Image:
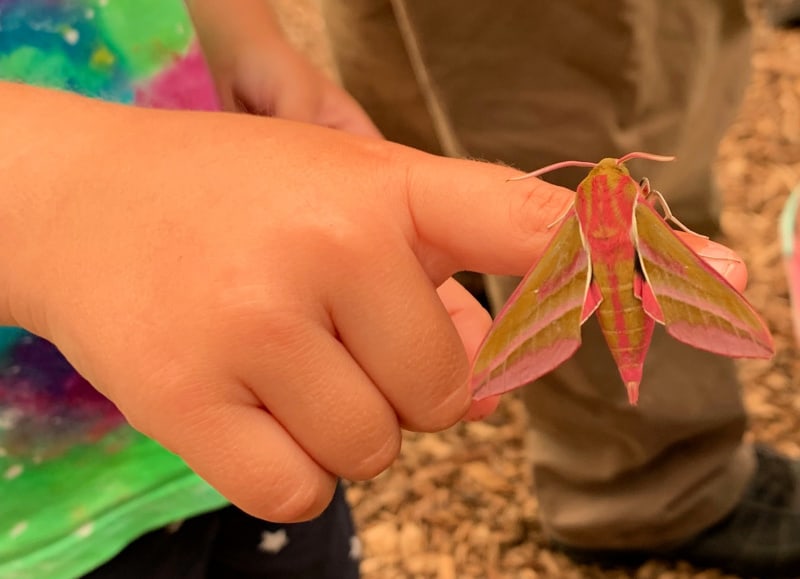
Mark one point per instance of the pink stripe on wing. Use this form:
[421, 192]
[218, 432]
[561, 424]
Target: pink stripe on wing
[523, 371]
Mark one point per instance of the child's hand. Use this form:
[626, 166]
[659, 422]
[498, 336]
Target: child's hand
[280, 82]
[257, 295]
[726, 262]
[258, 71]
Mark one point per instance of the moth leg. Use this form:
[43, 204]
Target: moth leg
[644, 187]
[656, 196]
[561, 217]
[643, 292]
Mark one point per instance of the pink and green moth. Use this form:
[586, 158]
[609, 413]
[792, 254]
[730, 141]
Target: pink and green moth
[615, 256]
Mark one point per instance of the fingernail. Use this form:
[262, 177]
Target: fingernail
[715, 251]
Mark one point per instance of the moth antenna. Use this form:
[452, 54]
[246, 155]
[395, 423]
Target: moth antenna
[641, 155]
[553, 167]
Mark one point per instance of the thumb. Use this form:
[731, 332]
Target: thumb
[723, 259]
[467, 215]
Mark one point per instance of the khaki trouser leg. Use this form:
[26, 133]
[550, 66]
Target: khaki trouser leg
[530, 82]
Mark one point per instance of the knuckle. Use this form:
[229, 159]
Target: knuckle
[447, 390]
[339, 235]
[280, 330]
[450, 404]
[377, 460]
[446, 413]
[303, 502]
[286, 328]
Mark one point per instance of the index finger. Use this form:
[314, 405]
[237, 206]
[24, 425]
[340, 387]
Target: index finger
[467, 215]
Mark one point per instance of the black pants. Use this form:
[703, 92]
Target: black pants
[229, 543]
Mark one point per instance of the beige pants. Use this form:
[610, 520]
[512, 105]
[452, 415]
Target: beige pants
[530, 82]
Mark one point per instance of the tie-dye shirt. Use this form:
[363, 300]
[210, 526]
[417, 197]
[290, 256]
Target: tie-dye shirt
[76, 482]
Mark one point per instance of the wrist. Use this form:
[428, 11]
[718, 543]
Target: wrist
[52, 143]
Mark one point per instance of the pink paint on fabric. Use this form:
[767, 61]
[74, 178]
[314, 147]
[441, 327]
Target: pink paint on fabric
[187, 84]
